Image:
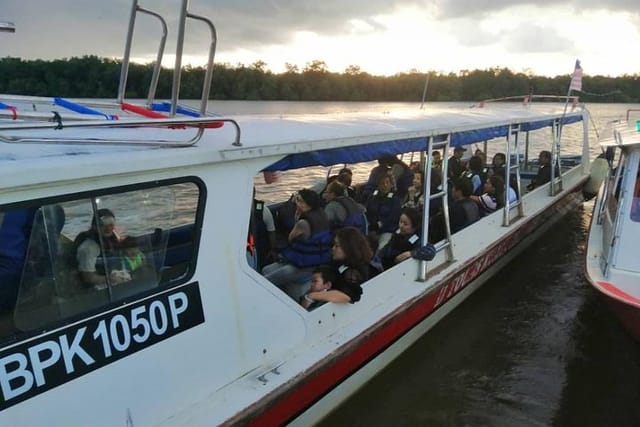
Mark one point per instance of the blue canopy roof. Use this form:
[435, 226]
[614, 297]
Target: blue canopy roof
[373, 151]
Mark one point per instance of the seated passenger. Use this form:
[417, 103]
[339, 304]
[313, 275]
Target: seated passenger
[309, 245]
[463, 211]
[372, 182]
[456, 166]
[544, 171]
[383, 210]
[342, 210]
[352, 258]
[322, 278]
[404, 240]
[436, 161]
[482, 155]
[493, 197]
[89, 250]
[415, 196]
[498, 165]
[402, 175]
[345, 177]
[477, 174]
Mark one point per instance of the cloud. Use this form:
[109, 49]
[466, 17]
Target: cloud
[467, 8]
[533, 38]
[75, 27]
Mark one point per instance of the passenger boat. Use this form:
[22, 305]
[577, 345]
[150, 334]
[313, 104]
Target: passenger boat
[611, 265]
[202, 338]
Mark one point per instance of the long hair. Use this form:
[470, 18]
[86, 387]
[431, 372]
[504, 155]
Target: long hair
[498, 184]
[311, 198]
[354, 245]
[414, 216]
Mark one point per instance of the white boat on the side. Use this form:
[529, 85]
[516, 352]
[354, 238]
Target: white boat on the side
[611, 264]
[202, 338]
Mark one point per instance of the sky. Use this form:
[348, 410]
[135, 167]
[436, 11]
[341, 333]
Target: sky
[382, 37]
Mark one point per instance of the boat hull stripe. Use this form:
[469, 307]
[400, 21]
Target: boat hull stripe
[621, 295]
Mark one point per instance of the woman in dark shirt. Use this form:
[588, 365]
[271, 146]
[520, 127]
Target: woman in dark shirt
[404, 240]
[351, 257]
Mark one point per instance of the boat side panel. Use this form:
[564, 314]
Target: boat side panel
[245, 324]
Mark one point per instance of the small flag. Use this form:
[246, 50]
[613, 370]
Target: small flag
[576, 77]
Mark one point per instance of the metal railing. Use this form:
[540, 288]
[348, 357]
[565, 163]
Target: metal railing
[197, 123]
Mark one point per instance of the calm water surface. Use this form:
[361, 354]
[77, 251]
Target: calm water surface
[534, 346]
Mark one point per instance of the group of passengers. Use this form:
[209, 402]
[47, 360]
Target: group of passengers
[341, 236]
[352, 236]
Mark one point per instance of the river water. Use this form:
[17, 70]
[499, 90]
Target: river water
[535, 346]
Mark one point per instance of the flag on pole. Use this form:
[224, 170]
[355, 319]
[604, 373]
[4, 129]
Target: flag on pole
[576, 77]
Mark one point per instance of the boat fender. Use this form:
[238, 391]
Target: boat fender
[599, 170]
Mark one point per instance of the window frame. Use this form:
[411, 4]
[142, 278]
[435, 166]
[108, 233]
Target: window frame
[18, 336]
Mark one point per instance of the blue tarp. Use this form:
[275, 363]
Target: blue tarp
[373, 151]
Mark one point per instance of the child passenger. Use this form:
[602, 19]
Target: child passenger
[322, 279]
[131, 254]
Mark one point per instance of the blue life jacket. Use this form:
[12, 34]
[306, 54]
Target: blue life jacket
[384, 209]
[315, 250]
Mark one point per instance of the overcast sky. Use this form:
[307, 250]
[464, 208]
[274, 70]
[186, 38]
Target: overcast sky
[381, 37]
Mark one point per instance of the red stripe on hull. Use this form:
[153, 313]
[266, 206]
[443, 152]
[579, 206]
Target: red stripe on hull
[629, 315]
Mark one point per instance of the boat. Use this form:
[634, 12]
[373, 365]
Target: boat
[611, 266]
[202, 338]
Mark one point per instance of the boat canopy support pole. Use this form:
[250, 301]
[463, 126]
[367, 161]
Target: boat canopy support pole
[556, 132]
[513, 134]
[586, 164]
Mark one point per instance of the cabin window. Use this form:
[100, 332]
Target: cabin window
[635, 201]
[614, 187]
[60, 259]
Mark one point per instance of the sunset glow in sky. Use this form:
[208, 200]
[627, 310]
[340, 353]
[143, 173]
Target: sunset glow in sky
[542, 37]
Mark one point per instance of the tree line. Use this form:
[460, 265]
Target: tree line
[95, 77]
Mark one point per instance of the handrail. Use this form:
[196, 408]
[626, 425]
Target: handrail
[200, 123]
[206, 85]
[153, 86]
[124, 71]
[177, 71]
[526, 99]
[629, 110]
[177, 68]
